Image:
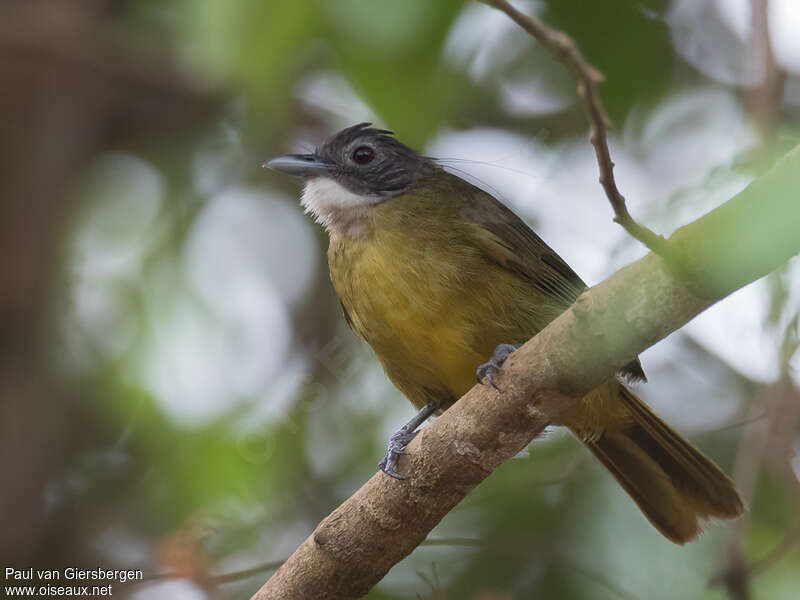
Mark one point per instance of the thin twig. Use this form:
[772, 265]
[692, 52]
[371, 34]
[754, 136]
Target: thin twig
[590, 574]
[237, 575]
[595, 576]
[456, 541]
[564, 49]
[222, 578]
[770, 445]
[763, 101]
[599, 578]
[746, 571]
[735, 424]
[773, 556]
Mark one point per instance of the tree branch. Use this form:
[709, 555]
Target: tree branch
[565, 50]
[357, 544]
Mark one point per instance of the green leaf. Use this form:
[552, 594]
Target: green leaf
[391, 53]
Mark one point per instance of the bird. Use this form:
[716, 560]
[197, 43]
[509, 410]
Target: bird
[444, 281]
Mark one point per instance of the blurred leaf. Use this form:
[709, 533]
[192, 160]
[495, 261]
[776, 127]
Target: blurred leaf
[255, 43]
[525, 505]
[391, 52]
[627, 40]
[195, 469]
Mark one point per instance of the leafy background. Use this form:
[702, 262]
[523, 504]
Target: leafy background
[178, 390]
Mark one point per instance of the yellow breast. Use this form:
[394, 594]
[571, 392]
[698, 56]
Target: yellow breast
[409, 297]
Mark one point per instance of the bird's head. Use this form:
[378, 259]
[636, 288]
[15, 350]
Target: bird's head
[353, 170]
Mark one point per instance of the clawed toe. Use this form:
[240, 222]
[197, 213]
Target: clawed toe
[387, 465]
[488, 370]
[493, 366]
[397, 447]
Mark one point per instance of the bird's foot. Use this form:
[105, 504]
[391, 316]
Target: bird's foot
[402, 437]
[397, 446]
[492, 367]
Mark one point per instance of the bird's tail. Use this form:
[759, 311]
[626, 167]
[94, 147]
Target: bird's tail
[676, 487]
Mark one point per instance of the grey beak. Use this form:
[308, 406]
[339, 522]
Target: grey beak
[300, 165]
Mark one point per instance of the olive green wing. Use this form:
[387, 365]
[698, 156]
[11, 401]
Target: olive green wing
[508, 242]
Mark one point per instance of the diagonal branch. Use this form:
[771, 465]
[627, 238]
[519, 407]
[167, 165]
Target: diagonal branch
[356, 545]
[566, 51]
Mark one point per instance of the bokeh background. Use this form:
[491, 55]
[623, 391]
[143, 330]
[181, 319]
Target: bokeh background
[178, 390]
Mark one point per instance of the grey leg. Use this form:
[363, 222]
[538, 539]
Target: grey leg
[401, 438]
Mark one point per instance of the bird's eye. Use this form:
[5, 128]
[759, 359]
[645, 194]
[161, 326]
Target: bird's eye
[363, 155]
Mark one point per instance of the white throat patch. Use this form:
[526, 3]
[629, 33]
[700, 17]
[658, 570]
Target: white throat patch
[335, 207]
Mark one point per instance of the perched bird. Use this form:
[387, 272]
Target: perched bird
[438, 276]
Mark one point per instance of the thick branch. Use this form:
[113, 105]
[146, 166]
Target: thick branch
[566, 51]
[355, 546]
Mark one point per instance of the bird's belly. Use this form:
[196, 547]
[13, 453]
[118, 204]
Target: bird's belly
[425, 344]
[420, 322]
[438, 356]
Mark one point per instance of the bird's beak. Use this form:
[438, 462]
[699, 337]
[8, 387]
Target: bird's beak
[300, 165]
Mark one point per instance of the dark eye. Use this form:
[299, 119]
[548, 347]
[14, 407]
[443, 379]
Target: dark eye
[363, 155]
